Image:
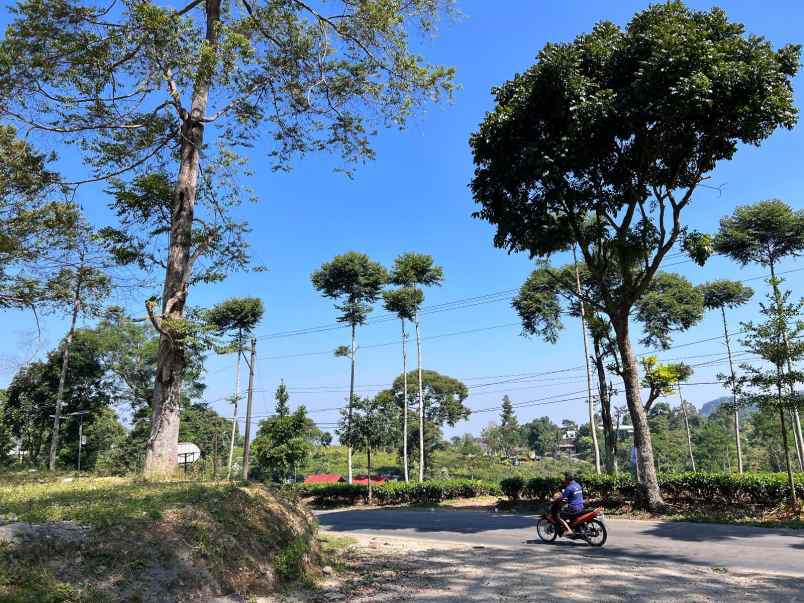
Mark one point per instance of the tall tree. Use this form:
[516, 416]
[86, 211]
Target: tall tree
[403, 302]
[236, 317]
[415, 270]
[720, 295]
[443, 400]
[777, 339]
[79, 287]
[510, 430]
[588, 147]
[357, 281]
[135, 88]
[671, 303]
[281, 396]
[369, 427]
[282, 445]
[764, 234]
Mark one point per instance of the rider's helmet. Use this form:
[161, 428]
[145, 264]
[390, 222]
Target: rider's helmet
[568, 476]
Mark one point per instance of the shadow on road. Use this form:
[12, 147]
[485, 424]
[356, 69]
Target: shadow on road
[711, 532]
[423, 521]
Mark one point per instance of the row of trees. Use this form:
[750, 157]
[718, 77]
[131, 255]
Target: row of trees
[605, 143]
[357, 282]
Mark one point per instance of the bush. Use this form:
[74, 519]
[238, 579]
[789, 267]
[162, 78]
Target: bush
[396, 493]
[512, 487]
[761, 489]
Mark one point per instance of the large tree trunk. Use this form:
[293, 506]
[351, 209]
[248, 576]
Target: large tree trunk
[733, 394]
[609, 455]
[421, 398]
[65, 360]
[161, 450]
[652, 497]
[405, 402]
[351, 397]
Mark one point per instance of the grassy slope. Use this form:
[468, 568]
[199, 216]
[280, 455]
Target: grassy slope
[148, 539]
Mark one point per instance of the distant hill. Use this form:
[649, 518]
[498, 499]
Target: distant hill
[709, 407]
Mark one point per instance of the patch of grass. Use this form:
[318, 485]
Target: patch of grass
[103, 502]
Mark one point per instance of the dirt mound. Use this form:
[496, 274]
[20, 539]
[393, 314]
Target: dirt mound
[228, 541]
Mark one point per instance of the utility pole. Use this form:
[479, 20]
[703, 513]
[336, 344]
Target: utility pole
[249, 398]
[592, 426]
[234, 412]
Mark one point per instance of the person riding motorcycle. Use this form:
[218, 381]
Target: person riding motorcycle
[572, 496]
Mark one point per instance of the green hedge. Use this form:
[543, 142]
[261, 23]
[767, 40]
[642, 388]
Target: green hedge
[762, 489]
[395, 493]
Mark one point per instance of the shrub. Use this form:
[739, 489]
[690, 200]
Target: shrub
[512, 487]
[761, 489]
[395, 493]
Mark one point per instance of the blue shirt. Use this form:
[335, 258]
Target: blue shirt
[574, 495]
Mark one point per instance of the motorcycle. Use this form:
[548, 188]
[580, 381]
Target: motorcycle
[588, 526]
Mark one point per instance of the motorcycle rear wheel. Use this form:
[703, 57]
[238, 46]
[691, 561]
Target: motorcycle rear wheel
[546, 530]
[595, 533]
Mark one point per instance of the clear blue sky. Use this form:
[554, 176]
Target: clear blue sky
[415, 197]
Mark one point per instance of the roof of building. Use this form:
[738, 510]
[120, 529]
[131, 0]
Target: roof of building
[323, 478]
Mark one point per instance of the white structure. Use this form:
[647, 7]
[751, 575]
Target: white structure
[188, 453]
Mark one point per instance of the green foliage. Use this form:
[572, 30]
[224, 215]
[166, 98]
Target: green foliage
[661, 379]
[369, 423]
[727, 489]
[236, 316]
[592, 122]
[31, 395]
[512, 487]
[670, 303]
[542, 435]
[539, 305]
[761, 233]
[396, 493]
[414, 270]
[404, 301]
[724, 293]
[282, 444]
[281, 396]
[353, 278]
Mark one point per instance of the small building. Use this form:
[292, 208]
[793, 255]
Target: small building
[323, 478]
[362, 480]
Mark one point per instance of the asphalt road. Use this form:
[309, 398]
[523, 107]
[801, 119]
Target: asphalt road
[738, 548]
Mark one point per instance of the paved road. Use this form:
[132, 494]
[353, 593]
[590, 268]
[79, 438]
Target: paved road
[709, 545]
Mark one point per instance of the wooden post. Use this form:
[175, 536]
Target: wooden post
[249, 398]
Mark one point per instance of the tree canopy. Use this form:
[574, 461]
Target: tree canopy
[354, 279]
[724, 293]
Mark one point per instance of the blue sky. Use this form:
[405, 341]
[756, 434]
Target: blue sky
[414, 197]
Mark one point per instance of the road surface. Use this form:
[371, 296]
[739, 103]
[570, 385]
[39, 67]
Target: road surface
[720, 547]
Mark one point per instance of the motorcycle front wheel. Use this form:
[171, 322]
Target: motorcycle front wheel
[595, 533]
[546, 530]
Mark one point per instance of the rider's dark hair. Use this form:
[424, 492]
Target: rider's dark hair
[568, 476]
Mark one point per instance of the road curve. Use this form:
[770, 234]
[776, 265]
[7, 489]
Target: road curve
[740, 548]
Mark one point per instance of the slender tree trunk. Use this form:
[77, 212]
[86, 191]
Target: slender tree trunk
[647, 471]
[65, 360]
[353, 356]
[592, 425]
[368, 463]
[788, 464]
[234, 411]
[161, 449]
[797, 435]
[686, 425]
[405, 402]
[605, 408]
[737, 438]
[421, 397]
[249, 399]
